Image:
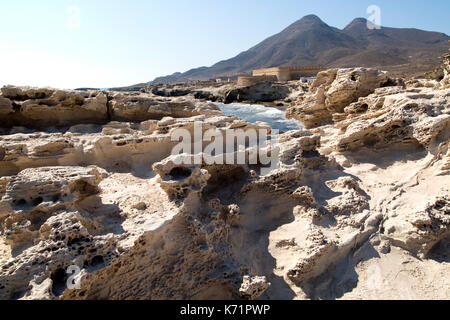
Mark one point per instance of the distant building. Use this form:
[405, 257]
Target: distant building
[289, 73]
[280, 74]
[251, 80]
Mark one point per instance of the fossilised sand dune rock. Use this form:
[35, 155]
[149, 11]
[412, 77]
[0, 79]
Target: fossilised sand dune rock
[56, 217]
[332, 91]
[44, 107]
[116, 146]
[206, 230]
[64, 242]
[47, 107]
[253, 287]
[199, 236]
[413, 122]
[380, 120]
[418, 232]
[141, 107]
[36, 202]
[43, 228]
[180, 261]
[36, 193]
[179, 179]
[85, 228]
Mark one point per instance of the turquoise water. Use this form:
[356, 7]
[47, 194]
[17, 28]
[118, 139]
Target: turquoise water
[253, 112]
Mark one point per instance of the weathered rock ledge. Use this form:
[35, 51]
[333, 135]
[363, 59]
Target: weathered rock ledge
[46, 107]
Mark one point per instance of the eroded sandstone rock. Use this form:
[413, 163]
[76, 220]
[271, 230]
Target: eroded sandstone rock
[403, 117]
[178, 179]
[51, 107]
[419, 231]
[253, 287]
[142, 107]
[44, 228]
[46, 107]
[332, 91]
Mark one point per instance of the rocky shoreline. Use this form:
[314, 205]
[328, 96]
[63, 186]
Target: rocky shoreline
[358, 207]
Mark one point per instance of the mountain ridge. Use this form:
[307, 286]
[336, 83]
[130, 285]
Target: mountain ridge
[311, 41]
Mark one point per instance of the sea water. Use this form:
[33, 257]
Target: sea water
[253, 113]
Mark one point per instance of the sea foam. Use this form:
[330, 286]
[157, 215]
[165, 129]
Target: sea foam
[253, 113]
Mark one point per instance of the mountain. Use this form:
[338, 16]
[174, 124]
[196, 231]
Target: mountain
[310, 41]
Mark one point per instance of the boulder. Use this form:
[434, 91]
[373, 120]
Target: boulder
[45, 107]
[332, 91]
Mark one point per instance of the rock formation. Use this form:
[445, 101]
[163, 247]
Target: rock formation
[358, 206]
[45, 107]
[278, 93]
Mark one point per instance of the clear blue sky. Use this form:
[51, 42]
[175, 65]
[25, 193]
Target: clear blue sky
[126, 42]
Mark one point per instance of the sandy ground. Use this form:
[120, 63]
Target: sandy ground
[5, 251]
[143, 204]
[400, 276]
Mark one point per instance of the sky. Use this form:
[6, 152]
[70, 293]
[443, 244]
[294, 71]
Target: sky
[108, 43]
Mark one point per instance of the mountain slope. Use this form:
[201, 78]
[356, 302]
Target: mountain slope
[310, 41]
